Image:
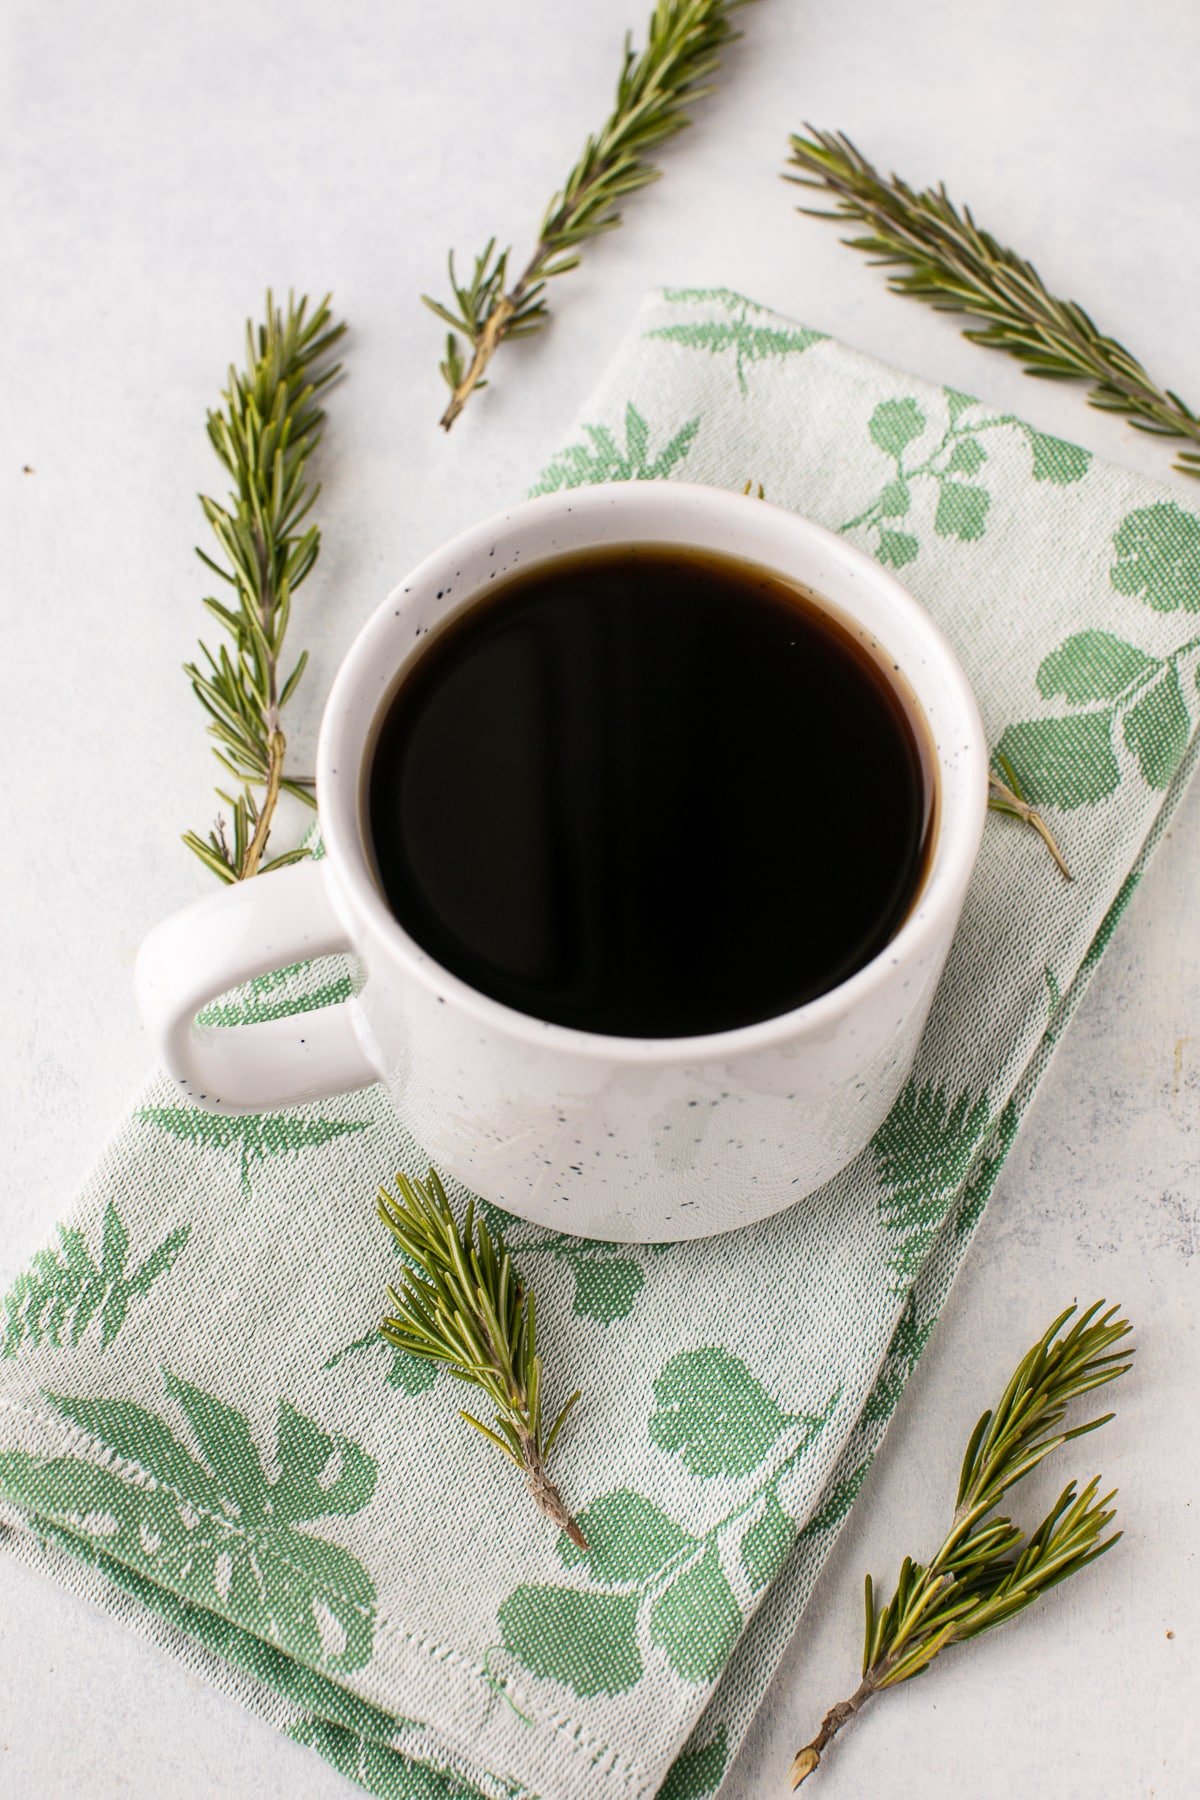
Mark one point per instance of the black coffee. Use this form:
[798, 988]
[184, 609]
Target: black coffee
[650, 792]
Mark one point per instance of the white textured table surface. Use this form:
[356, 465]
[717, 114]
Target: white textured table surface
[162, 166]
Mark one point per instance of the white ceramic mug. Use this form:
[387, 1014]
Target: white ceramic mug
[610, 1137]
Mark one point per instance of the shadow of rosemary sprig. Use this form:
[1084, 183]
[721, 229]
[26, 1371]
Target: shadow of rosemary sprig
[656, 87]
[986, 1570]
[264, 433]
[462, 1304]
[941, 256]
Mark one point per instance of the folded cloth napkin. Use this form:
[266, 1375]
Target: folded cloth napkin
[201, 1430]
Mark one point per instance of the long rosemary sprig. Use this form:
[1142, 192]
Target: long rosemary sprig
[986, 1569]
[656, 87]
[264, 433]
[944, 258]
[461, 1303]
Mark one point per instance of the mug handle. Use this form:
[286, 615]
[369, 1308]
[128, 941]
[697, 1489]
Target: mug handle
[249, 929]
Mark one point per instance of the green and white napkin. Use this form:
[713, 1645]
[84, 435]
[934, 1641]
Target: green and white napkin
[201, 1431]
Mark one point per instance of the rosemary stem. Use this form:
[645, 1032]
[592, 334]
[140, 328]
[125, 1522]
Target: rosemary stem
[807, 1760]
[486, 345]
[1001, 798]
[276, 750]
[545, 1494]
[276, 742]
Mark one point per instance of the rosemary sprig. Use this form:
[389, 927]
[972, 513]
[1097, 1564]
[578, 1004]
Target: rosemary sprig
[986, 1569]
[655, 90]
[264, 433]
[462, 1304]
[945, 259]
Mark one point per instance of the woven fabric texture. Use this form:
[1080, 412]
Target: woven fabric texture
[199, 1426]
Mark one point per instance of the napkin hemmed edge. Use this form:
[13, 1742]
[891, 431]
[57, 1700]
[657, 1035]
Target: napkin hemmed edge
[505, 1724]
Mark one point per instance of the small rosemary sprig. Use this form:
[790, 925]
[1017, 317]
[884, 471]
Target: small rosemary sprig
[655, 89]
[264, 433]
[1006, 797]
[462, 1304]
[986, 1569]
[945, 259]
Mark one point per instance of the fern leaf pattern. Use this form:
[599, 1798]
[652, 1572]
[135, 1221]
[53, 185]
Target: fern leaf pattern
[253, 1137]
[55, 1300]
[923, 1152]
[282, 993]
[602, 458]
[743, 331]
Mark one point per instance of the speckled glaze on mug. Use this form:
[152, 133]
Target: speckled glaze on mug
[606, 1137]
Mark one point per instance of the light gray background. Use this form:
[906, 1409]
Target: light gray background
[163, 165]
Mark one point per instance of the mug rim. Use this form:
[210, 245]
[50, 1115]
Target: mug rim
[359, 694]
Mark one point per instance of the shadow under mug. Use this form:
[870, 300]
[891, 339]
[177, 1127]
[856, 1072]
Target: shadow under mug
[620, 1138]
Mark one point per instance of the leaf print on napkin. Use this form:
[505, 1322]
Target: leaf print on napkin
[629, 1538]
[606, 1288]
[586, 1641]
[55, 1300]
[1120, 692]
[308, 1689]
[410, 1374]
[255, 1137]
[714, 1414]
[749, 342]
[697, 1619]
[953, 466]
[697, 1773]
[908, 1341]
[660, 1586]
[992, 1157]
[608, 1278]
[274, 996]
[1055, 460]
[894, 424]
[1158, 557]
[923, 1150]
[213, 1528]
[765, 1547]
[961, 510]
[1064, 763]
[602, 459]
[1070, 760]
